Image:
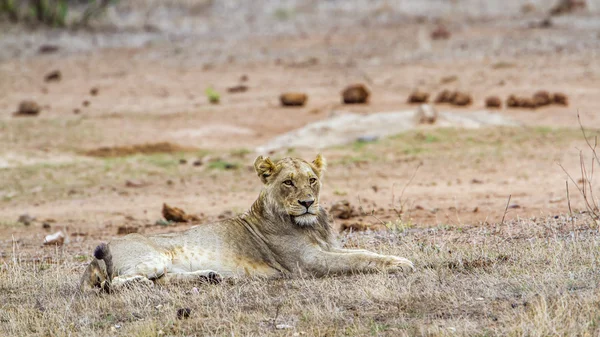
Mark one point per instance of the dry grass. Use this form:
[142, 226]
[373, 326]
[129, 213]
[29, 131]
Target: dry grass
[529, 277]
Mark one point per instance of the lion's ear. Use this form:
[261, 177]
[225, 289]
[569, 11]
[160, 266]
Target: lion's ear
[264, 168]
[320, 165]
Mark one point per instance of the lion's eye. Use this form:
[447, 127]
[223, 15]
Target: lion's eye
[288, 182]
[313, 180]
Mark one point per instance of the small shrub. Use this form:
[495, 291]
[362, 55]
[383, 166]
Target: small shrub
[53, 13]
[213, 96]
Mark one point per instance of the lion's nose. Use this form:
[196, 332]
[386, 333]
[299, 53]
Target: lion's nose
[306, 203]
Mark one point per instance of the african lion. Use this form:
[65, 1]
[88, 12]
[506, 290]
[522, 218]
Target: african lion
[285, 232]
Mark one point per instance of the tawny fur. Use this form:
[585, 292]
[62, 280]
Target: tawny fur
[284, 233]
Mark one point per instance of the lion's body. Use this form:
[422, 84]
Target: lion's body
[276, 237]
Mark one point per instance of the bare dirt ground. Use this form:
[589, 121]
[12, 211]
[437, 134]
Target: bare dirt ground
[439, 192]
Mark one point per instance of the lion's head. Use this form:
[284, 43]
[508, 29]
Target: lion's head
[292, 187]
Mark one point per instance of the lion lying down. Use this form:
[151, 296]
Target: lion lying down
[285, 232]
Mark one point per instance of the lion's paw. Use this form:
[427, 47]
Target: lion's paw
[211, 277]
[132, 281]
[396, 264]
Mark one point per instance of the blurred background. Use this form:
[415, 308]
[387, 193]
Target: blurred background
[90, 24]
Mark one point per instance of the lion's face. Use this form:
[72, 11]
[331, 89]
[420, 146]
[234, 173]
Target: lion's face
[292, 186]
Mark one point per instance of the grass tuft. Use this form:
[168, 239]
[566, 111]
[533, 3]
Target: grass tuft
[535, 277]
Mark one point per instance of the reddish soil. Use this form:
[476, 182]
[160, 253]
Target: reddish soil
[151, 95]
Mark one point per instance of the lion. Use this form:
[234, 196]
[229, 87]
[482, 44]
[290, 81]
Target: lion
[286, 232]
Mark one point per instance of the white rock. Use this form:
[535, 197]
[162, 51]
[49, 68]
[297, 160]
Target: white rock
[426, 114]
[57, 238]
[346, 128]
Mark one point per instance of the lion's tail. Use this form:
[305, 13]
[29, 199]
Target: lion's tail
[102, 252]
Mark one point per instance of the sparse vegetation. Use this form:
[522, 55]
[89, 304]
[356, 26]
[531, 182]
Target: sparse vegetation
[213, 96]
[53, 13]
[283, 14]
[241, 152]
[223, 165]
[529, 278]
[585, 185]
[398, 225]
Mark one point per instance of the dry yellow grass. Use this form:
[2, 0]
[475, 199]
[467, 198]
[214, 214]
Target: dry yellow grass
[529, 277]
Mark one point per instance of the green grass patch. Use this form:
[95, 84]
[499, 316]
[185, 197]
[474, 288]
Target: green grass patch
[223, 165]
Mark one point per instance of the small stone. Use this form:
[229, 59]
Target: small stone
[28, 108]
[560, 99]
[134, 184]
[176, 214]
[520, 102]
[461, 99]
[182, 161]
[512, 101]
[183, 313]
[440, 33]
[418, 97]
[527, 102]
[48, 49]
[426, 114]
[57, 239]
[542, 98]
[355, 94]
[94, 91]
[124, 230]
[53, 76]
[26, 219]
[445, 96]
[293, 99]
[493, 102]
[237, 89]
[85, 103]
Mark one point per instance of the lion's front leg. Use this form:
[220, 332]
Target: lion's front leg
[199, 276]
[123, 281]
[348, 261]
